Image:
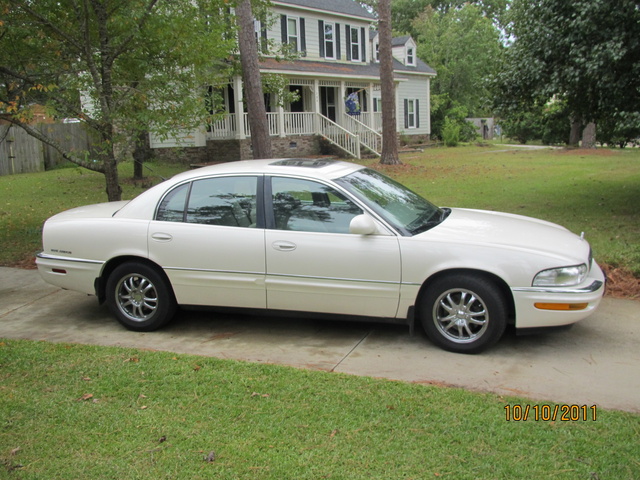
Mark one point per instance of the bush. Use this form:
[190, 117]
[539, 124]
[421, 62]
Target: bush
[450, 132]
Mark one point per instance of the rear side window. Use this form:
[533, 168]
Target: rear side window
[171, 208]
[225, 201]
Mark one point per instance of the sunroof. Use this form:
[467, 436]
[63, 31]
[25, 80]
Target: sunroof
[303, 162]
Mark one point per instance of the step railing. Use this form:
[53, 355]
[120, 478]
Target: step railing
[368, 136]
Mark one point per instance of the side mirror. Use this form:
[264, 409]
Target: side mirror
[362, 225]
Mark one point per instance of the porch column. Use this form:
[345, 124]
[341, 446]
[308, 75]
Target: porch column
[316, 105]
[371, 121]
[237, 87]
[316, 96]
[281, 131]
[340, 110]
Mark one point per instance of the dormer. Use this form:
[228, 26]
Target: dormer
[404, 50]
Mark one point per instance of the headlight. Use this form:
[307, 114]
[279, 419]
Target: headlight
[561, 277]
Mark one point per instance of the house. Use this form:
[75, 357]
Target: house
[336, 79]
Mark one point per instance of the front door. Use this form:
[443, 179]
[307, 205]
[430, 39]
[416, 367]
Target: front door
[314, 264]
[328, 102]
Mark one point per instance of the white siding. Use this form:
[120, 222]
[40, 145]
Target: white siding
[416, 88]
[312, 34]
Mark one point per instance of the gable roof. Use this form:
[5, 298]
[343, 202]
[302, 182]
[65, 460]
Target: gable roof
[344, 7]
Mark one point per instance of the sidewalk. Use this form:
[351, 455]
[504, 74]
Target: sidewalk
[597, 362]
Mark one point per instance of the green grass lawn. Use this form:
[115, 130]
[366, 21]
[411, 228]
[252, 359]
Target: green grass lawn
[74, 411]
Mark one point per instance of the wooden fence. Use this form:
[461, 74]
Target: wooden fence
[22, 153]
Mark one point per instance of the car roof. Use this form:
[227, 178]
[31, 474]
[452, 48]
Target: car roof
[328, 169]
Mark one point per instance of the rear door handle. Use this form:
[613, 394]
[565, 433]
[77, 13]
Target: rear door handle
[284, 246]
[161, 237]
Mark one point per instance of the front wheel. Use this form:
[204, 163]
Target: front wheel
[463, 313]
[140, 297]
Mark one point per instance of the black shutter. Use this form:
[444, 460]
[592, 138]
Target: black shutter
[321, 37]
[283, 28]
[406, 113]
[347, 32]
[417, 113]
[303, 38]
[337, 45]
[264, 43]
[363, 47]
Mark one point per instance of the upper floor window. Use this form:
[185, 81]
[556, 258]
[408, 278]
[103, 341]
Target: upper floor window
[329, 40]
[293, 32]
[354, 36]
[411, 59]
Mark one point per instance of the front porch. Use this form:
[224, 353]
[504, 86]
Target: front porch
[318, 115]
[319, 109]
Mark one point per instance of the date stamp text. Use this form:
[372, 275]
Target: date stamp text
[551, 413]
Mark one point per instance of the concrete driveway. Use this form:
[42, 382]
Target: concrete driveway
[597, 362]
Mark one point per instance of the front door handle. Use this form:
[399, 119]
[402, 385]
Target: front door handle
[283, 246]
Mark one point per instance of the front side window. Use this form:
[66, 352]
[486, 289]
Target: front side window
[224, 201]
[307, 206]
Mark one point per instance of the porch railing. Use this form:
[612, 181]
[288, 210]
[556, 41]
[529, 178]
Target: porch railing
[303, 123]
[339, 136]
[368, 137]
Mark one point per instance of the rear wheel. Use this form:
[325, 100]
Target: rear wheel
[140, 297]
[463, 313]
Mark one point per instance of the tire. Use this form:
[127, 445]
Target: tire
[140, 297]
[463, 313]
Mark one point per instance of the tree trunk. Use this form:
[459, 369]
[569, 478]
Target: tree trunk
[574, 136]
[389, 133]
[114, 191]
[140, 154]
[589, 136]
[260, 139]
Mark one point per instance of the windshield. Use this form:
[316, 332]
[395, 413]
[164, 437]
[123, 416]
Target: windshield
[403, 209]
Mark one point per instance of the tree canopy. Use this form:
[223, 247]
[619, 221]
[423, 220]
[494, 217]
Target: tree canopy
[585, 53]
[121, 67]
[463, 45]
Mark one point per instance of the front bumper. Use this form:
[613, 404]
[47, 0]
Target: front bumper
[585, 298]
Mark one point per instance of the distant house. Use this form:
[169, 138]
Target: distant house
[337, 81]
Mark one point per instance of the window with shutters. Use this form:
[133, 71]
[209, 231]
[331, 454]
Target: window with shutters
[329, 40]
[411, 113]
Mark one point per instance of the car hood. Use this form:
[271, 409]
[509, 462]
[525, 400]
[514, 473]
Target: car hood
[98, 210]
[509, 231]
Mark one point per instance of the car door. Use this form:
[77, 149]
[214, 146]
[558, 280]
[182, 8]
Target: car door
[314, 264]
[208, 236]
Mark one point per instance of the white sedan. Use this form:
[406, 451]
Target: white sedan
[324, 238]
